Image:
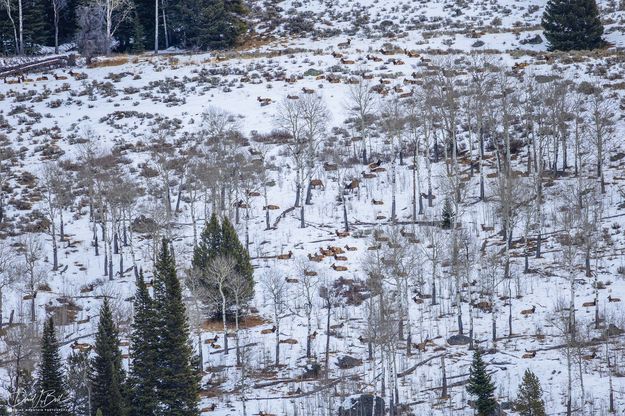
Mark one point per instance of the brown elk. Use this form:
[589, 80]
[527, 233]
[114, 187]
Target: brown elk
[83, 347]
[285, 256]
[339, 268]
[406, 94]
[43, 78]
[385, 81]
[340, 258]
[341, 234]
[589, 304]
[310, 273]
[377, 202]
[611, 299]
[345, 44]
[313, 335]
[406, 234]
[367, 76]
[293, 97]
[590, 356]
[352, 185]
[252, 193]
[349, 248]
[263, 101]
[374, 58]
[316, 257]
[329, 166]
[270, 207]
[529, 354]
[484, 306]
[347, 61]
[397, 61]
[375, 165]
[308, 90]
[411, 54]
[269, 330]
[291, 280]
[337, 55]
[369, 175]
[528, 311]
[336, 250]
[59, 77]
[317, 183]
[417, 300]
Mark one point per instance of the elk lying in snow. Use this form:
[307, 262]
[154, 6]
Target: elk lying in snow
[375, 165]
[83, 347]
[263, 101]
[417, 300]
[261, 413]
[411, 54]
[611, 299]
[290, 280]
[43, 78]
[396, 61]
[293, 97]
[374, 58]
[345, 44]
[528, 311]
[327, 252]
[313, 335]
[270, 207]
[589, 304]
[341, 234]
[340, 258]
[406, 234]
[348, 248]
[285, 256]
[347, 61]
[590, 356]
[529, 354]
[310, 273]
[339, 268]
[337, 55]
[308, 90]
[59, 77]
[269, 330]
[377, 202]
[336, 250]
[484, 306]
[353, 184]
[316, 257]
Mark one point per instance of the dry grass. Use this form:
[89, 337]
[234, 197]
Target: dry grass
[107, 62]
[216, 325]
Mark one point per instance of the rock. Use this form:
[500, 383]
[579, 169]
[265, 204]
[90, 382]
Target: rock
[614, 331]
[458, 340]
[364, 404]
[534, 40]
[478, 43]
[346, 362]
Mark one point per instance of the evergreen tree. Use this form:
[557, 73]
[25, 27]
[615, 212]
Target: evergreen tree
[50, 385]
[481, 386]
[572, 24]
[178, 381]
[222, 240]
[78, 383]
[529, 401]
[107, 373]
[448, 214]
[144, 344]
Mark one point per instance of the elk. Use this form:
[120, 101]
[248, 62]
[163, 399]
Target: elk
[327, 253]
[411, 54]
[337, 55]
[528, 311]
[375, 165]
[353, 184]
[336, 250]
[252, 193]
[316, 257]
[310, 273]
[329, 166]
[397, 61]
[291, 280]
[529, 354]
[484, 306]
[385, 81]
[377, 202]
[406, 234]
[80, 346]
[263, 101]
[590, 356]
[269, 330]
[417, 300]
[374, 58]
[43, 78]
[317, 183]
[293, 97]
[313, 335]
[270, 207]
[340, 258]
[349, 248]
[345, 44]
[341, 234]
[59, 77]
[406, 94]
[212, 340]
[589, 304]
[347, 61]
[339, 268]
[308, 90]
[285, 256]
[368, 175]
[611, 299]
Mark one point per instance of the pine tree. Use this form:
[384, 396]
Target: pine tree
[448, 214]
[50, 383]
[144, 344]
[572, 25]
[222, 240]
[107, 373]
[178, 380]
[78, 383]
[529, 401]
[481, 386]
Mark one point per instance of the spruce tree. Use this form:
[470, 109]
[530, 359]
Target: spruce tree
[143, 344]
[107, 373]
[448, 213]
[530, 402]
[77, 375]
[572, 25]
[209, 245]
[50, 385]
[231, 246]
[178, 380]
[481, 386]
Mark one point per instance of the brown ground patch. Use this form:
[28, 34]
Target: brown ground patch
[251, 321]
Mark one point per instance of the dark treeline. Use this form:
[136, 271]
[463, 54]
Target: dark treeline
[101, 26]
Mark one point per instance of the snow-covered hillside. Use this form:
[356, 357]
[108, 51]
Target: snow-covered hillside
[438, 71]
